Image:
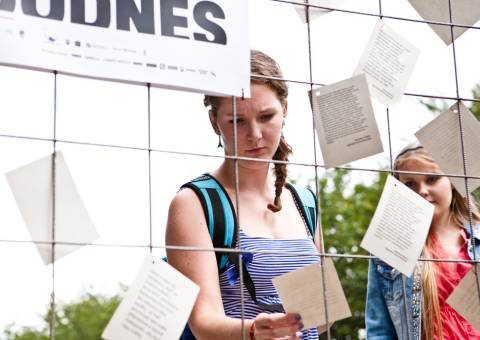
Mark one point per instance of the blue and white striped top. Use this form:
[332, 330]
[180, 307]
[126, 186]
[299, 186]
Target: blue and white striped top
[262, 269]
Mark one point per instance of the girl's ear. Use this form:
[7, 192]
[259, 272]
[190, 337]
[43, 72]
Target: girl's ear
[285, 109]
[213, 121]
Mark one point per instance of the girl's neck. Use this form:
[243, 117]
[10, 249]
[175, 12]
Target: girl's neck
[444, 224]
[250, 178]
[448, 233]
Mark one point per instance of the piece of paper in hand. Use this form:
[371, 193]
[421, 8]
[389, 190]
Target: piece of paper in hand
[344, 121]
[399, 227]
[388, 62]
[441, 138]
[301, 291]
[157, 304]
[32, 188]
[316, 13]
[464, 12]
[465, 299]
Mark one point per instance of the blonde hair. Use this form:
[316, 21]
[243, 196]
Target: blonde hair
[459, 213]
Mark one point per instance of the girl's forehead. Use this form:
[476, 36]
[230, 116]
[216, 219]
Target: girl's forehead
[418, 165]
[263, 98]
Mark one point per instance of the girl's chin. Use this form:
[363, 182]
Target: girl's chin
[253, 165]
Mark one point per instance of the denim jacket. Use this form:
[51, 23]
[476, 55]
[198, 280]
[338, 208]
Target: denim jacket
[393, 309]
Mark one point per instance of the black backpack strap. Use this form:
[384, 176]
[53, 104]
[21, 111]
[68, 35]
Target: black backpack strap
[307, 203]
[247, 280]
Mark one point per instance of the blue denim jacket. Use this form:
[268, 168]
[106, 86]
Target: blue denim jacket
[387, 316]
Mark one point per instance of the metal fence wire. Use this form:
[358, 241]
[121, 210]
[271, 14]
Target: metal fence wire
[316, 165]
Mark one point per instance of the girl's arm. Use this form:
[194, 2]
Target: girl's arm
[186, 226]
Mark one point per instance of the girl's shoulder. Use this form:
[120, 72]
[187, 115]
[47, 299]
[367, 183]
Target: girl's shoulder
[186, 225]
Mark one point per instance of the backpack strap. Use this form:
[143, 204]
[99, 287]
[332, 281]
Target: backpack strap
[248, 282]
[307, 203]
[219, 214]
[223, 226]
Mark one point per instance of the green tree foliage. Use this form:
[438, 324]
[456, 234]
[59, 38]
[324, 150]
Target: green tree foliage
[437, 106]
[475, 106]
[84, 319]
[346, 213]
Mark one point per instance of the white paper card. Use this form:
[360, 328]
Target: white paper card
[301, 291]
[465, 299]
[156, 306]
[32, 188]
[441, 137]
[399, 227]
[193, 45]
[464, 12]
[388, 62]
[344, 121]
[316, 13]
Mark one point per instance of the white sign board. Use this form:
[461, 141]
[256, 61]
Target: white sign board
[191, 45]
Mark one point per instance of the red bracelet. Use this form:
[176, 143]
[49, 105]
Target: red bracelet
[252, 331]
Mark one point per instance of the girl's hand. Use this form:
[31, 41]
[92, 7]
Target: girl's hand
[277, 326]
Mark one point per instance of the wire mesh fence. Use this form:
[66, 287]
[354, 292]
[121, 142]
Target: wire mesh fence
[130, 148]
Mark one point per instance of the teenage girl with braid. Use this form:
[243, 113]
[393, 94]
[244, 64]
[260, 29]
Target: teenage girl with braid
[415, 307]
[269, 218]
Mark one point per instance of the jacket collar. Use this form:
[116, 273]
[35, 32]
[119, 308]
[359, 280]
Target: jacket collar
[476, 230]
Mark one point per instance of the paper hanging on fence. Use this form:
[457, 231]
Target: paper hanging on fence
[388, 62]
[157, 304]
[301, 291]
[465, 299]
[442, 139]
[464, 12]
[32, 187]
[399, 227]
[345, 122]
[194, 45]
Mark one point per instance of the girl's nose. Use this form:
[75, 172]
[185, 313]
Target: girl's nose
[423, 190]
[254, 132]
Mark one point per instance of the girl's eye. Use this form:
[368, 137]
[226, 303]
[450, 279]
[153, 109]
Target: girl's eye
[239, 121]
[432, 179]
[410, 184]
[266, 117]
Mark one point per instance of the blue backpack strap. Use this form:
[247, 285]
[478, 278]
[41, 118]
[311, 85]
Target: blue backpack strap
[219, 214]
[307, 202]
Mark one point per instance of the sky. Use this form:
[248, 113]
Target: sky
[114, 183]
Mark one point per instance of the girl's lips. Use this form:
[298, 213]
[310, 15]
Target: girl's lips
[255, 150]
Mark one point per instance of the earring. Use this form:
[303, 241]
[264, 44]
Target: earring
[220, 145]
